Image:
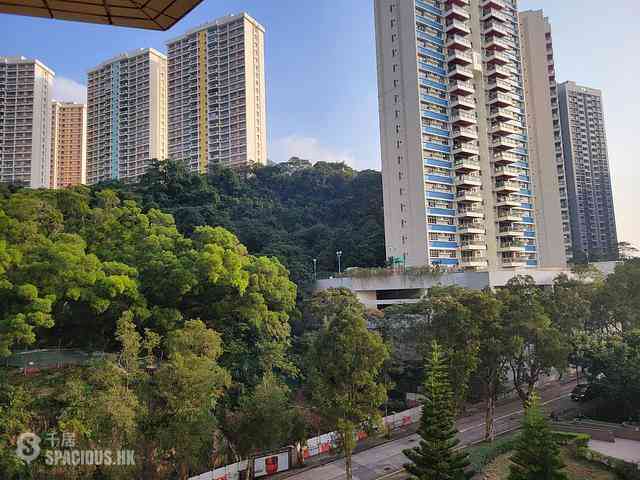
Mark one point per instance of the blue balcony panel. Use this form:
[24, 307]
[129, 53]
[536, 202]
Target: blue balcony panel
[532, 263]
[431, 83]
[530, 248]
[436, 131]
[519, 137]
[529, 234]
[521, 165]
[520, 151]
[436, 147]
[435, 115]
[528, 206]
[443, 228]
[429, 23]
[527, 220]
[437, 244]
[431, 53]
[428, 8]
[523, 178]
[445, 261]
[430, 68]
[440, 195]
[436, 162]
[431, 99]
[439, 179]
[429, 38]
[524, 191]
[443, 212]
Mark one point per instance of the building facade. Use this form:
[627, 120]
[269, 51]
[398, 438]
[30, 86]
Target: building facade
[126, 116]
[216, 95]
[25, 122]
[545, 140]
[593, 221]
[456, 172]
[68, 144]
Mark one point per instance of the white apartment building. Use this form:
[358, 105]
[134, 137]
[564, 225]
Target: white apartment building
[457, 177]
[25, 121]
[126, 116]
[216, 95]
[545, 139]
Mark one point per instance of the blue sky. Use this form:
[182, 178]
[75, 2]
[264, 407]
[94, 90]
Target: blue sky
[321, 73]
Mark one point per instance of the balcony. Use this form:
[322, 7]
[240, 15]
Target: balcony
[459, 13]
[471, 196]
[460, 57]
[457, 27]
[514, 262]
[463, 118]
[479, 261]
[497, 4]
[471, 212]
[495, 43]
[511, 247]
[499, 85]
[457, 41]
[470, 181]
[465, 165]
[502, 128]
[507, 186]
[511, 231]
[460, 3]
[463, 103]
[509, 216]
[500, 100]
[495, 28]
[506, 171]
[466, 149]
[498, 71]
[496, 57]
[508, 201]
[493, 14]
[461, 88]
[501, 114]
[474, 227]
[473, 245]
[460, 73]
[468, 133]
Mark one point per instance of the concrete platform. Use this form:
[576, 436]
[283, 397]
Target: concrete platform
[627, 450]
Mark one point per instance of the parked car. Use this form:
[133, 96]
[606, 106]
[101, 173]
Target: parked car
[583, 393]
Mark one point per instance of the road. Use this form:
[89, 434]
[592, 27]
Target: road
[383, 460]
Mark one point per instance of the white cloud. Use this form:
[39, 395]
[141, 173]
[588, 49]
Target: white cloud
[67, 90]
[308, 148]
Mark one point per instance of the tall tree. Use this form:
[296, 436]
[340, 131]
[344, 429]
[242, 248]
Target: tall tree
[345, 361]
[537, 455]
[436, 457]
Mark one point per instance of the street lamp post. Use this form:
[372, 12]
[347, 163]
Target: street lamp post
[315, 269]
[339, 254]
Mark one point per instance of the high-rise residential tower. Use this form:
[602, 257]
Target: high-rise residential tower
[456, 173]
[68, 144]
[126, 116]
[593, 221]
[25, 121]
[217, 110]
[545, 140]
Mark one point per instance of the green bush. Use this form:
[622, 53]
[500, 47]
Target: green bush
[484, 453]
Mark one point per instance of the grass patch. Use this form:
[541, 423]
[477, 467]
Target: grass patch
[576, 469]
[481, 454]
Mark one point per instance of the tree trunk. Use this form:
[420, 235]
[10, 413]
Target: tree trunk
[347, 463]
[489, 423]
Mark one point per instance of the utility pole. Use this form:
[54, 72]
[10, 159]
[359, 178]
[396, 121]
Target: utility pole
[339, 254]
[315, 269]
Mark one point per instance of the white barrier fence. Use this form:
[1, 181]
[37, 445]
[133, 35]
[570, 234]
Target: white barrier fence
[271, 464]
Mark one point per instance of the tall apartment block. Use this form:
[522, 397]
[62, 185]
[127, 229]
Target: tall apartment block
[126, 116]
[68, 144]
[217, 111]
[25, 121]
[545, 140]
[457, 179]
[593, 221]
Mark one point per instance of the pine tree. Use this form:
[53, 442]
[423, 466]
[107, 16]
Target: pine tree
[436, 457]
[537, 455]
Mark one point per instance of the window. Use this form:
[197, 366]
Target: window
[395, 83]
[394, 52]
[395, 67]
